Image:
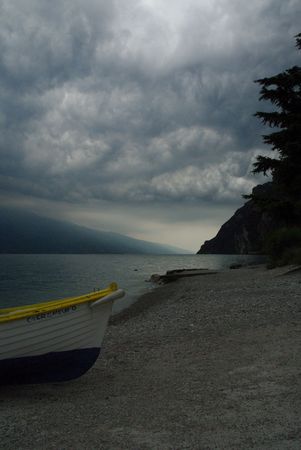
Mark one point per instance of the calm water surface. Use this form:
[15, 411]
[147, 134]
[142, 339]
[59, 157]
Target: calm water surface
[28, 279]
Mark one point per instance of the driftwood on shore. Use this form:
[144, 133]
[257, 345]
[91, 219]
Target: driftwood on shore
[173, 275]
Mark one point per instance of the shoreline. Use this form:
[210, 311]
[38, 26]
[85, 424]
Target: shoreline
[207, 362]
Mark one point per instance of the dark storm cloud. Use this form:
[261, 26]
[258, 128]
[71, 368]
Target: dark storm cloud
[136, 101]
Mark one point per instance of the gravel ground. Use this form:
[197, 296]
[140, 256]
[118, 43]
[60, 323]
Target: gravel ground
[209, 362]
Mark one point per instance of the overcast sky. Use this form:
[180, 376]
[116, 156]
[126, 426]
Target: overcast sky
[137, 116]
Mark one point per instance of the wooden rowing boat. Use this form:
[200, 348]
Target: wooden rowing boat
[54, 341]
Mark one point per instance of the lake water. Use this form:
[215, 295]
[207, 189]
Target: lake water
[26, 279]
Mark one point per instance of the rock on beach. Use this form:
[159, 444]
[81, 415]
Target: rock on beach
[202, 363]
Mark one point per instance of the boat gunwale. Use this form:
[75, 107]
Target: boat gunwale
[22, 312]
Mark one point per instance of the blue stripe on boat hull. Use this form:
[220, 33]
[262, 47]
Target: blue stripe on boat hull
[48, 368]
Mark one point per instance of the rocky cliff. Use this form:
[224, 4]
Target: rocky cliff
[245, 232]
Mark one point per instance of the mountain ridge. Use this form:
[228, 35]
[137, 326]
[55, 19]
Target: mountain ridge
[23, 231]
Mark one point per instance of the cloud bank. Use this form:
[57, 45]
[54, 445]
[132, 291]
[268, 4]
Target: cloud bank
[138, 102]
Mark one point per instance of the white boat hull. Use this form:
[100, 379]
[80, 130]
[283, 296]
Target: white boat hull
[54, 346]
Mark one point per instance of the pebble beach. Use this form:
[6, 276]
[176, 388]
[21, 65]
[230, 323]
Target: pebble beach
[206, 362]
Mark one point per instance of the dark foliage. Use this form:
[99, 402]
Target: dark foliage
[284, 92]
[284, 246]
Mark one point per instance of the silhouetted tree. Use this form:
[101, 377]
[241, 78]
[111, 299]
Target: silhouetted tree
[283, 91]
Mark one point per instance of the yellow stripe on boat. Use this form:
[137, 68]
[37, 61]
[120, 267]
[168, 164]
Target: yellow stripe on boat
[21, 312]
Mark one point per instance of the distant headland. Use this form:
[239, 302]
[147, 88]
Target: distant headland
[22, 231]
